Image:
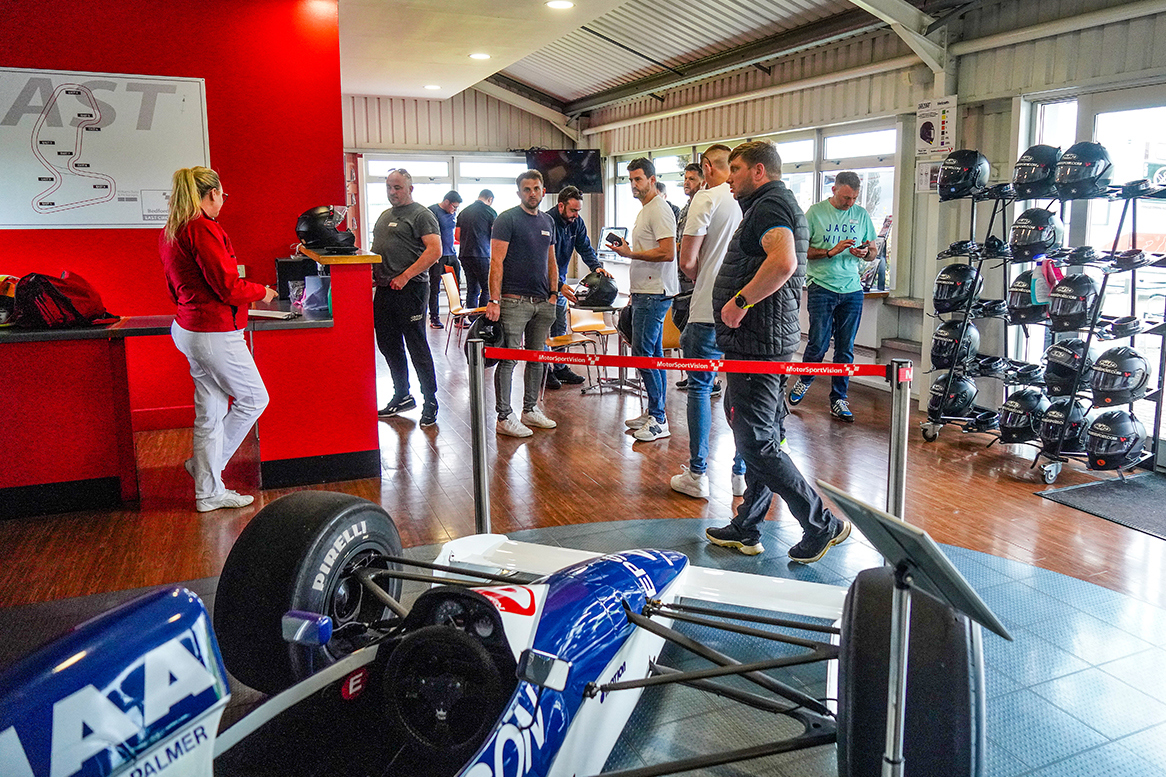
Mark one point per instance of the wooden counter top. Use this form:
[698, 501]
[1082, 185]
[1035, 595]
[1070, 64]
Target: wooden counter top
[340, 258]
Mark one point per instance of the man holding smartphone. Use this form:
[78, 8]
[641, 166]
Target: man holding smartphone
[653, 285]
[841, 238]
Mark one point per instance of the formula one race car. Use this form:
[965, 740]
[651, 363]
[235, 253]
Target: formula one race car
[518, 659]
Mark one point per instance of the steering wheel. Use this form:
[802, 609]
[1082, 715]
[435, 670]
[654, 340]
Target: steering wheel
[444, 690]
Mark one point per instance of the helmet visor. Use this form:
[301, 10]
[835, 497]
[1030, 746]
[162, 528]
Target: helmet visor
[1029, 172]
[1074, 171]
[1016, 419]
[1029, 237]
[1108, 445]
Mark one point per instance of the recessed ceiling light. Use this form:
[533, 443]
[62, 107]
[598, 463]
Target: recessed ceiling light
[433, 87]
[479, 56]
[560, 5]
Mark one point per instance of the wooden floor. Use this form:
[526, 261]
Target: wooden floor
[589, 469]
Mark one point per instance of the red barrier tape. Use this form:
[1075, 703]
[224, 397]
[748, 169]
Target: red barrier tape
[694, 365]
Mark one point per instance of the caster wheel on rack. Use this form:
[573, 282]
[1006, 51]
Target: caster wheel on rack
[1051, 471]
[930, 434]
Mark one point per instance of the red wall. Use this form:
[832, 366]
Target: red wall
[272, 72]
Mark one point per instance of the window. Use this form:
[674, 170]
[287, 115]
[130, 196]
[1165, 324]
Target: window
[879, 143]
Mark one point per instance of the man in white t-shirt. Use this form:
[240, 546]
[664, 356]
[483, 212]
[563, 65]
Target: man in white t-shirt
[653, 285]
[713, 216]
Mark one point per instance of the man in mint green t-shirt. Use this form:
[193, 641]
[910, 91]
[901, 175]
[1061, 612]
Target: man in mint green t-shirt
[841, 235]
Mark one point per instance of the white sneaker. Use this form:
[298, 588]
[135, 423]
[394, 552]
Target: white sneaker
[228, 499]
[536, 417]
[653, 430]
[738, 485]
[639, 422]
[691, 483]
[512, 427]
[784, 445]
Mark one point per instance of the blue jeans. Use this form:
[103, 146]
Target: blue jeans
[832, 315]
[559, 328]
[648, 311]
[699, 341]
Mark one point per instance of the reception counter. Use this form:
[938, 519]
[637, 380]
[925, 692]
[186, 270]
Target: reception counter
[66, 436]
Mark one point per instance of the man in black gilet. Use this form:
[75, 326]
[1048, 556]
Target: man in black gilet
[755, 303]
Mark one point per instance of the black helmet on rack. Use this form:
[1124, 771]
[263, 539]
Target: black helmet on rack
[1032, 176]
[1071, 302]
[1022, 309]
[947, 350]
[596, 290]
[1084, 171]
[955, 285]
[1120, 376]
[1114, 440]
[623, 323]
[955, 402]
[995, 248]
[1062, 411]
[317, 228]
[1021, 415]
[489, 332]
[964, 174]
[1037, 231]
[1061, 362]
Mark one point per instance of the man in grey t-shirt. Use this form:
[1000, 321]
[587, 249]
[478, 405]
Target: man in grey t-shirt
[409, 241]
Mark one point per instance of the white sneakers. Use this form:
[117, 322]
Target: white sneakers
[652, 430]
[228, 499]
[692, 484]
[537, 417]
[512, 427]
[639, 422]
[738, 485]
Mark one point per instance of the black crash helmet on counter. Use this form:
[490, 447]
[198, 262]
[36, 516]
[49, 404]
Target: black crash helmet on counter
[1037, 231]
[964, 173]
[1071, 302]
[489, 332]
[1062, 411]
[1022, 308]
[1120, 376]
[1083, 171]
[1114, 440]
[317, 228]
[951, 402]
[1032, 175]
[954, 286]
[596, 290]
[1021, 415]
[1062, 361]
[948, 349]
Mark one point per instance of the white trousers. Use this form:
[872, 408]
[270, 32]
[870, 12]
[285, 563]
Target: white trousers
[222, 368]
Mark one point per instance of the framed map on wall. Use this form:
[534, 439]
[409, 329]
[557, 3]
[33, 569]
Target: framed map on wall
[95, 150]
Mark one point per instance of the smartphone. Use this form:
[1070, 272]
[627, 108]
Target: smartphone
[614, 239]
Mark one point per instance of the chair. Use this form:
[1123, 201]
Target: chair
[671, 336]
[457, 313]
[592, 322]
[565, 343]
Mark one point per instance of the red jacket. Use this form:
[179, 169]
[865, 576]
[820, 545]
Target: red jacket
[204, 280]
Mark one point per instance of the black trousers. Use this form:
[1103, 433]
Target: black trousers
[477, 280]
[755, 405]
[435, 273]
[399, 320]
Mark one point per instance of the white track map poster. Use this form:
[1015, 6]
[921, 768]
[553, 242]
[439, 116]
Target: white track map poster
[95, 150]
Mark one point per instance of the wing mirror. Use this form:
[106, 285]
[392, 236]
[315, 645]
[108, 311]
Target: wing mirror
[543, 669]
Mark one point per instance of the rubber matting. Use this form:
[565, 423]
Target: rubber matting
[1137, 502]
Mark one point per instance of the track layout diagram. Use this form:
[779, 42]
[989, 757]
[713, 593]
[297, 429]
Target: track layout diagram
[71, 182]
[95, 150]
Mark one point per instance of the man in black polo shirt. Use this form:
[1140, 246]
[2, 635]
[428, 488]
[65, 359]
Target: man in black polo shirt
[755, 304]
[524, 288]
[443, 212]
[474, 225]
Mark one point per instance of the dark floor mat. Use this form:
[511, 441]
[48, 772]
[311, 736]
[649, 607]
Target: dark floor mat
[1138, 502]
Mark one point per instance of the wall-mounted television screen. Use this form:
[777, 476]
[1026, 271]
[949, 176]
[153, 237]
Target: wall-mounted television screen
[570, 167]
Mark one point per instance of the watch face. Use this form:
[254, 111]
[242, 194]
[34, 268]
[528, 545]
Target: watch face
[741, 302]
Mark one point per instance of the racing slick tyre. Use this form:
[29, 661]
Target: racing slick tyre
[944, 729]
[445, 692]
[299, 553]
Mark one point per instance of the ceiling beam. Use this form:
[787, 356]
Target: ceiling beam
[527, 91]
[560, 121]
[910, 24]
[839, 26]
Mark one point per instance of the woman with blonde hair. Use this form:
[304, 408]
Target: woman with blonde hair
[212, 301]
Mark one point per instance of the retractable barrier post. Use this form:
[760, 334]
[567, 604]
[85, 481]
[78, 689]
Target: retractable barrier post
[478, 436]
[900, 376]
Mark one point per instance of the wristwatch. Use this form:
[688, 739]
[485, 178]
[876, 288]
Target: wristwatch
[741, 302]
[495, 302]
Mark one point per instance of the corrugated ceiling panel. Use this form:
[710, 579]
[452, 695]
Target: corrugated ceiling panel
[674, 32]
[470, 121]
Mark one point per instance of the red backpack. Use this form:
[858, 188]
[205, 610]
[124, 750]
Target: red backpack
[45, 302]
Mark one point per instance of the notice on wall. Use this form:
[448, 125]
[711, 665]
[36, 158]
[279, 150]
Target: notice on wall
[95, 150]
[935, 126]
[927, 177]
